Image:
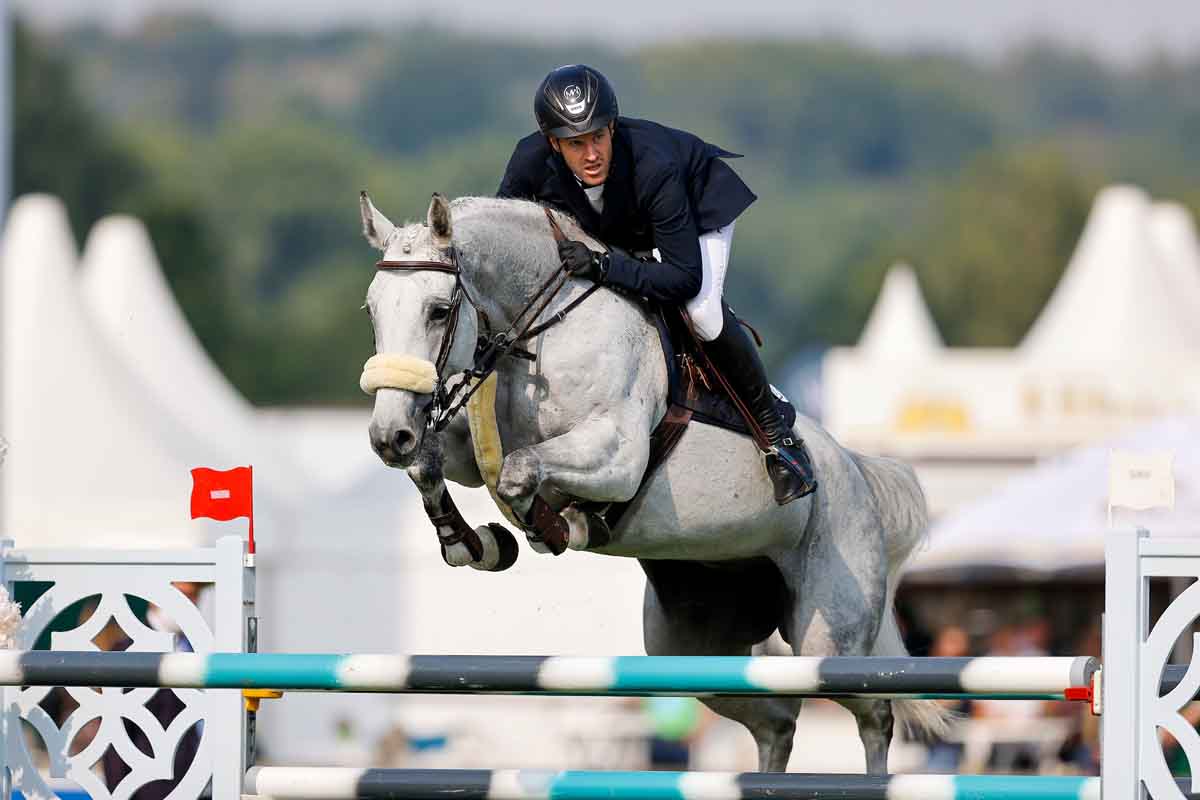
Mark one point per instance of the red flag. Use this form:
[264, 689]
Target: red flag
[224, 495]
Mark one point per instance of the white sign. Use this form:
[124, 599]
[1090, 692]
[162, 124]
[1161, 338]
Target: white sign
[1140, 480]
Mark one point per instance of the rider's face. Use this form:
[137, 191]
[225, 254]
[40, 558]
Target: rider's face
[589, 156]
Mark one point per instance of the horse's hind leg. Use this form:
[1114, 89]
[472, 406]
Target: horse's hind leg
[875, 723]
[691, 609]
[839, 582]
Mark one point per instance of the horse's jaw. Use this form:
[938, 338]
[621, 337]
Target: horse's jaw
[398, 425]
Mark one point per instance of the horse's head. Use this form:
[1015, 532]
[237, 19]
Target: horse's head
[424, 332]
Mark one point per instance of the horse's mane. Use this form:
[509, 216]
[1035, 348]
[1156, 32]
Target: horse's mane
[514, 234]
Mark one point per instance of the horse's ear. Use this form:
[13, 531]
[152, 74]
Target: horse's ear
[439, 217]
[376, 227]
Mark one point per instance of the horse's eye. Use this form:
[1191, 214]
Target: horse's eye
[439, 313]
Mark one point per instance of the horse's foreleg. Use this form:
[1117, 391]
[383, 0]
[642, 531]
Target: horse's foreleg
[490, 548]
[596, 460]
[458, 453]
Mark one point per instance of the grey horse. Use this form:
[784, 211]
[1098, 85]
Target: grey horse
[726, 567]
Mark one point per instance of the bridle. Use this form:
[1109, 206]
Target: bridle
[490, 347]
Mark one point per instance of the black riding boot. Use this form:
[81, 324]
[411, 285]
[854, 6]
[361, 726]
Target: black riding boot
[735, 356]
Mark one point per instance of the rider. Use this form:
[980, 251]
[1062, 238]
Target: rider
[638, 185]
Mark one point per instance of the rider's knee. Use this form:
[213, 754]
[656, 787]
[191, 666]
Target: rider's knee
[707, 317]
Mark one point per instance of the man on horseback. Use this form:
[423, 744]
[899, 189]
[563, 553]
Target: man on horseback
[641, 186]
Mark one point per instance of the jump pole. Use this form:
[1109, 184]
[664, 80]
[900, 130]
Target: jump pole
[1002, 678]
[314, 783]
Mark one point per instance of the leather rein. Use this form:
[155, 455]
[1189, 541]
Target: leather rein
[490, 347]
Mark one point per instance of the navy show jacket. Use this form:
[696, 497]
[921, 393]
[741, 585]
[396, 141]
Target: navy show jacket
[665, 187]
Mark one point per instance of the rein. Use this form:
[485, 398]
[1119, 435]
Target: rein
[490, 348]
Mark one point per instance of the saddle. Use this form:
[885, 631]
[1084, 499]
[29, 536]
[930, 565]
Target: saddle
[690, 383]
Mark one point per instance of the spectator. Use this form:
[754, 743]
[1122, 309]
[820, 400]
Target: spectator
[674, 724]
[944, 756]
[1010, 640]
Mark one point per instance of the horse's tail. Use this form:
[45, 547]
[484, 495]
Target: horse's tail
[900, 503]
[901, 506]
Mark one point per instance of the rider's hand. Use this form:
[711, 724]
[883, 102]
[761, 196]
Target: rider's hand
[583, 262]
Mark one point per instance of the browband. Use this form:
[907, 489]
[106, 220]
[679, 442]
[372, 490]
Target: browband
[417, 265]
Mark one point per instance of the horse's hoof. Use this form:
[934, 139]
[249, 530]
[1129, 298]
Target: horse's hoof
[537, 545]
[499, 549]
[588, 529]
[505, 547]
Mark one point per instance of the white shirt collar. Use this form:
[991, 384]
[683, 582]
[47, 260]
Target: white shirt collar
[595, 196]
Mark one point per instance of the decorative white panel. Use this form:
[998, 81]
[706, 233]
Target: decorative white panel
[112, 578]
[1135, 654]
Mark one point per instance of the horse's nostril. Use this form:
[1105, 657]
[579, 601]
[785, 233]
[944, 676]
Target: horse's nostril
[401, 441]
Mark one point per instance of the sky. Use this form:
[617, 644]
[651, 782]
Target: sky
[1120, 30]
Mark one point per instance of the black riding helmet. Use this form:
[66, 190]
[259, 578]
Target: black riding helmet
[574, 100]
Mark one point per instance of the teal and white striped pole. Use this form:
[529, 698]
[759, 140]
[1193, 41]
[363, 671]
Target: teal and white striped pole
[1007, 678]
[317, 783]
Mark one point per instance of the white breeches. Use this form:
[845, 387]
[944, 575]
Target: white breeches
[705, 308]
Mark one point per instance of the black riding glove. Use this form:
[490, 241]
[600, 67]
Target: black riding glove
[583, 262]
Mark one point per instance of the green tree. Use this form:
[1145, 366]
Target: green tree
[196, 54]
[436, 87]
[1064, 88]
[59, 146]
[63, 148]
[822, 109]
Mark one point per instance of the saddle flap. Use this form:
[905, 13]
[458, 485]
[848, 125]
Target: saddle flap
[689, 385]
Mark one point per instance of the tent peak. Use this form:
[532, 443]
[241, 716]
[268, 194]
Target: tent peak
[900, 324]
[1116, 300]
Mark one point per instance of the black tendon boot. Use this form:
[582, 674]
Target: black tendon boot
[736, 357]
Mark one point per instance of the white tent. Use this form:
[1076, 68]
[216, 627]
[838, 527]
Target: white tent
[1053, 517]
[329, 443]
[1173, 232]
[1116, 300]
[134, 308]
[94, 460]
[900, 326]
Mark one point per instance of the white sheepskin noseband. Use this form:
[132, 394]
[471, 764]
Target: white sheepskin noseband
[391, 371]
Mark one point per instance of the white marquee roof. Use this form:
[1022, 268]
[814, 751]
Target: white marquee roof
[900, 325]
[134, 308]
[1116, 300]
[1173, 232]
[94, 459]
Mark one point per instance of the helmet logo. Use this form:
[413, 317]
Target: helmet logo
[573, 96]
